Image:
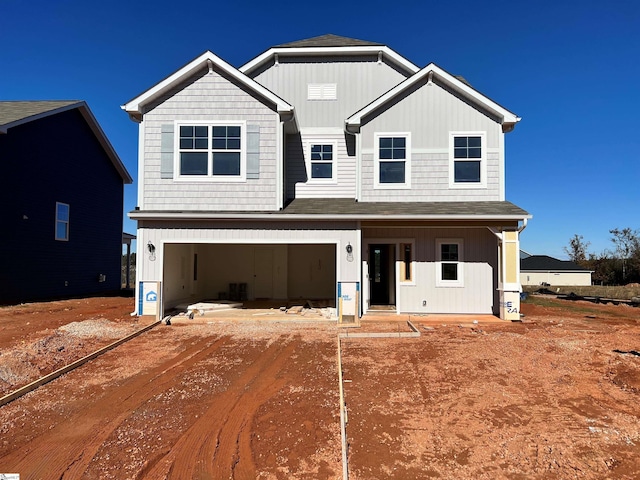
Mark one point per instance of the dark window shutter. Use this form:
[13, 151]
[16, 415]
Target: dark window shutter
[166, 151]
[253, 151]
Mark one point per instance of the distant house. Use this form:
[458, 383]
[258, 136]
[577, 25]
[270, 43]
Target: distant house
[62, 198]
[542, 269]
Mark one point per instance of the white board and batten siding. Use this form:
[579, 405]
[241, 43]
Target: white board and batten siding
[256, 232]
[357, 83]
[478, 295]
[430, 114]
[209, 97]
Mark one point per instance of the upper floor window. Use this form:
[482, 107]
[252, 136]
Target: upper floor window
[212, 151]
[321, 158]
[449, 263]
[62, 221]
[322, 91]
[468, 160]
[392, 167]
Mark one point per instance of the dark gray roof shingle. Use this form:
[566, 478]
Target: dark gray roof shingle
[329, 40]
[549, 264]
[347, 206]
[13, 111]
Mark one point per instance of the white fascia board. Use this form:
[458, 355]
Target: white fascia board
[312, 51]
[134, 106]
[355, 120]
[139, 215]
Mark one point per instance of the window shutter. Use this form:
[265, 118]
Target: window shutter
[253, 152]
[166, 151]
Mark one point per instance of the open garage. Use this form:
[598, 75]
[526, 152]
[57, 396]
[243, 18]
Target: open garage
[195, 272]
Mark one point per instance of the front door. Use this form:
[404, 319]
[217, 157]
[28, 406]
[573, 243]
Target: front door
[379, 274]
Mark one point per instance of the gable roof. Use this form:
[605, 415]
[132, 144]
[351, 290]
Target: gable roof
[330, 45]
[431, 72]
[15, 113]
[329, 40]
[549, 264]
[209, 59]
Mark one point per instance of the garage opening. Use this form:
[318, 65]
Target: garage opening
[249, 272]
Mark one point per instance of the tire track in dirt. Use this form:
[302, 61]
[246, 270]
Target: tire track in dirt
[66, 450]
[219, 444]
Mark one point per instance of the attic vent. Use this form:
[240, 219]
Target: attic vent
[322, 91]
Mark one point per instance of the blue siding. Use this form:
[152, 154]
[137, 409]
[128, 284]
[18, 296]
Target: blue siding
[58, 159]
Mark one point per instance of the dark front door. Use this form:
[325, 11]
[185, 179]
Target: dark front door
[379, 274]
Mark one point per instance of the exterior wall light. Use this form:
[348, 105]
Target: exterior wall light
[152, 250]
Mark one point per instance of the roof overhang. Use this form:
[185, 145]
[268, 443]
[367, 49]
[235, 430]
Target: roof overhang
[165, 215]
[434, 73]
[135, 106]
[382, 50]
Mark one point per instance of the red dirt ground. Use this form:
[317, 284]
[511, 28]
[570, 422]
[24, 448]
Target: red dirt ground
[546, 398]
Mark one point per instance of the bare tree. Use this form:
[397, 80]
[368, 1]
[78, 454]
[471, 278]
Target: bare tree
[577, 249]
[626, 245]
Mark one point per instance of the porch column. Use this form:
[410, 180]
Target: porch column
[509, 281]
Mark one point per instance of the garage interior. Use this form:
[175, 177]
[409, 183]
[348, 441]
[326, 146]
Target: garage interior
[269, 272]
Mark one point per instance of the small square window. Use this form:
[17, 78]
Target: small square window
[321, 159]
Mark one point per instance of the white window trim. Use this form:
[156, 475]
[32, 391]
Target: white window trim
[210, 178]
[483, 160]
[334, 160]
[67, 222]
[449, 283]
[376, 162]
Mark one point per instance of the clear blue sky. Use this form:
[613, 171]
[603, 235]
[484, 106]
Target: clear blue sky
[570, 69]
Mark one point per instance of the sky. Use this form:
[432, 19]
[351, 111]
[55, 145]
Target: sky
[570, 70]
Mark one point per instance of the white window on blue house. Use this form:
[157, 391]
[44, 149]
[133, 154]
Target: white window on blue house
[449, 265]
[392, 168]
[211, 151]
[62, 222]
[468, 165]
[321, 159]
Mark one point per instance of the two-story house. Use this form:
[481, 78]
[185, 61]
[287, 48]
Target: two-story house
[62, 192]
[322, 162]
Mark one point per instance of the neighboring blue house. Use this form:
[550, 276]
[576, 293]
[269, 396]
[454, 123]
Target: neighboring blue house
[62, 197]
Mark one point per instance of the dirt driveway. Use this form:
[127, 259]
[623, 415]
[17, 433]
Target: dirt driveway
[548, 398]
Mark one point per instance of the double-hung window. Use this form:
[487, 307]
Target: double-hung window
[62, 221]
[321, 157]
[449, 266]
[467, 160]
[392, 167]
[212, 151]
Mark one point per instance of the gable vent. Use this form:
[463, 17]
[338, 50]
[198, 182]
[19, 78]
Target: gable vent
[322, 91]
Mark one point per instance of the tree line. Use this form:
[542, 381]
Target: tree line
[617, 266]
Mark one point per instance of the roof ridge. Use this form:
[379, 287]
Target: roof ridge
[328, 40]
